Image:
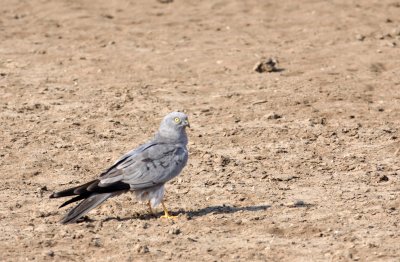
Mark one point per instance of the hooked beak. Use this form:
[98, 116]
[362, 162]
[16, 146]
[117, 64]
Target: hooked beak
[186, 123]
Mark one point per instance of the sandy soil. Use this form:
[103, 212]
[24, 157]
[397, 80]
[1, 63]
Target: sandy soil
[301, 164]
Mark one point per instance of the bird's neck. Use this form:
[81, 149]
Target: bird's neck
[168, 136]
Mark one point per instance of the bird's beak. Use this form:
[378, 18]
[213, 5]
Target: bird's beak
[186, 123]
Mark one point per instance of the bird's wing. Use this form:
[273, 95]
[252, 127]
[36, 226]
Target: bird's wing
[155, 164]
[114, 171]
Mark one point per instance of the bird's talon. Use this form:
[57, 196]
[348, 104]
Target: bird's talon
[166, 213]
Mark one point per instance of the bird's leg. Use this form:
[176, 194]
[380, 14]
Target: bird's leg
[151, 209]
[166, 214]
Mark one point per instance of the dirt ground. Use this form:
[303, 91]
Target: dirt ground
[300, 164]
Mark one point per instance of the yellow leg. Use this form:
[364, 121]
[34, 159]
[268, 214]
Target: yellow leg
[166, 214]
[151, 210]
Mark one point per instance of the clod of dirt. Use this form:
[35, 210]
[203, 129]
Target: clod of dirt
[383, 178]
[40, 191]
[142, 249]
[145, 225]
[299, 203]
[267, 65]
[360, 37]
[49, 253]
[174, 231]
[296, 203]
[96, 242]
[224, 161]
[273, 115]
[391, 43]
[108, 16]
[317, 121]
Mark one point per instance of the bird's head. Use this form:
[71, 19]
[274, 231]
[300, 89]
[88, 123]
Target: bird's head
[176, 120]
[174, 124]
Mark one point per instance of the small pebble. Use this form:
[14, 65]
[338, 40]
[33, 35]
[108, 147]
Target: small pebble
[273, 115]
[360, 37]
[142, 249]
[383, 178]
[96, 242]
[174, 231]
[296, 203]
[266, 65]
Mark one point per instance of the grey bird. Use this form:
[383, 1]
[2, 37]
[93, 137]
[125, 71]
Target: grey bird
[144, 171]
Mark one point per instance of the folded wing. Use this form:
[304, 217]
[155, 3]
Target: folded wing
[153, 166]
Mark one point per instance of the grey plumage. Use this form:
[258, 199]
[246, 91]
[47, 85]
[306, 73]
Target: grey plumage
[143, 170]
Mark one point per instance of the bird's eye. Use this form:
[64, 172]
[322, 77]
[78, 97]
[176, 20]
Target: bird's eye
[177, 120]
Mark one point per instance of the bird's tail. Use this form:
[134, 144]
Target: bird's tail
[93, 194]
[85, 206]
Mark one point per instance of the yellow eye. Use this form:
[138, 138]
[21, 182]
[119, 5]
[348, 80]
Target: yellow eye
[177, 120]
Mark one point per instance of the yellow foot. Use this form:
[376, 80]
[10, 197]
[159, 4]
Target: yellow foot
[168, 216]
[166, 213]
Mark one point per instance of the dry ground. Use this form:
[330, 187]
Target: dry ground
[82, 82]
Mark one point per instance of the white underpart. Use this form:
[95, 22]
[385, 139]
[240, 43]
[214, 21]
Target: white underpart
[155, 195]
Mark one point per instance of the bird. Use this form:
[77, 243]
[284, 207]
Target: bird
[143, 171]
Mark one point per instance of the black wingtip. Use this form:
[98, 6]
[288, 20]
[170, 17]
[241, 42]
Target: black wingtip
[54, 195]
[72, 200]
